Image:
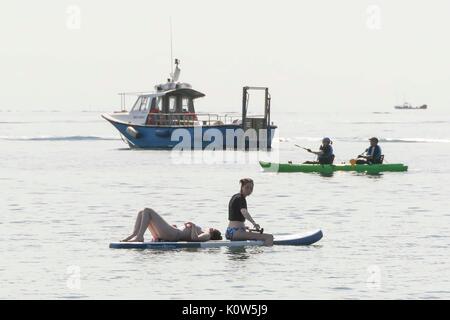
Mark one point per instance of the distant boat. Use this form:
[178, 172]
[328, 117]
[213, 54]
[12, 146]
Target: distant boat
[407, 105]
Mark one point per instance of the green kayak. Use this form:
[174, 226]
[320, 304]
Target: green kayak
[330, 168]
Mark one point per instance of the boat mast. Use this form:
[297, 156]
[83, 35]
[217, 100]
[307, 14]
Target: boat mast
[171, 47]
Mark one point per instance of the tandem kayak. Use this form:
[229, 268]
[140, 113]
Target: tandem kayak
[287, 240]
[330, 168]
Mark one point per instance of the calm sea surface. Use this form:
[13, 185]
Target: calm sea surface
[69, 186]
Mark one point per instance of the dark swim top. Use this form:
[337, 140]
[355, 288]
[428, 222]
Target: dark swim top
[237, 202]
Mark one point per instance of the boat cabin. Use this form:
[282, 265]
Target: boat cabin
[171, 104]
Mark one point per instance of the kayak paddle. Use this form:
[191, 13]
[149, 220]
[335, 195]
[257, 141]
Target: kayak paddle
[303, 148]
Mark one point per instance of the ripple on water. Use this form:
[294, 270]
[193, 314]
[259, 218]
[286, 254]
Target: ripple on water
[342, 288]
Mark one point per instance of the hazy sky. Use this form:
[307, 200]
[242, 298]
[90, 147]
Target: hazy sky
[328, 55]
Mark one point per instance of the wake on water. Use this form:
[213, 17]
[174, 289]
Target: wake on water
[364, 139]
[58, 138]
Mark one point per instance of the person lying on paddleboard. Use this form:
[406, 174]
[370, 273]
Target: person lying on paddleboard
[238, 213]
[162, 231]
[372, 154]
[324, 155]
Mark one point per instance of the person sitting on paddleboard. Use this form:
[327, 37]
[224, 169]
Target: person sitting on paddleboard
[162, 231]
[372, 154]
[238, 213]
[324, 155]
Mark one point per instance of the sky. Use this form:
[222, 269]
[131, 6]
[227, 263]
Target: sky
[313, 55]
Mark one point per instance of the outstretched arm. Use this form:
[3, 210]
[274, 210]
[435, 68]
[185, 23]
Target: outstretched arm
[364, 154]
[319, 153]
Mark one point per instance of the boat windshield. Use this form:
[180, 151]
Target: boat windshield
[142, 104]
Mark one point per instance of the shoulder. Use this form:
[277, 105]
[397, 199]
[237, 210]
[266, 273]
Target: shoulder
[239, 200]
[235, 196]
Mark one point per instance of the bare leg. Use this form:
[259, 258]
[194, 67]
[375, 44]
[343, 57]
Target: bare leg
[137, 226]
[161, 229]
[153, 231]
[157, 226]
[145, 221]
[243, 235]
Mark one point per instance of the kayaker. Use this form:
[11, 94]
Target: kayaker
[162, 231]
[325, 154]
[371, 155]
[238, 214]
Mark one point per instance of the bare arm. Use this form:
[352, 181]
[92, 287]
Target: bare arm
[197, 234]
[204, 237]
[194, 233]
[365, 155]
[319, 153]
[247, 216]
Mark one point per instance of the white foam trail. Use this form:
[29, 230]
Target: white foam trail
[57, 138]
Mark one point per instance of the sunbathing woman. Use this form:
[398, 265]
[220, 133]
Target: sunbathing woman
[162, 231]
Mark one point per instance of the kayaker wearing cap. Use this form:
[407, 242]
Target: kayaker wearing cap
[324, 155]
[372, 154]
[238, 213]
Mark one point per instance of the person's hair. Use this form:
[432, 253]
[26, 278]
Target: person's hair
[215, 235]
[245, 181]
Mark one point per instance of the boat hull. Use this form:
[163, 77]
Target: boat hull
[188, 137]
[327, 169]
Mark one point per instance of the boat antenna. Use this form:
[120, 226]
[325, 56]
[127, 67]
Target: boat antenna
[171, 47]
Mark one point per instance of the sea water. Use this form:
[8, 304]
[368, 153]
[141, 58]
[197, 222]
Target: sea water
[69, 186]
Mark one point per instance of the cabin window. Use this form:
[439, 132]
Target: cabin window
[172, 104]
[155, 105]
[185, 104]
[141, 104]
[137, 104]
[159, 103]
[144, 104]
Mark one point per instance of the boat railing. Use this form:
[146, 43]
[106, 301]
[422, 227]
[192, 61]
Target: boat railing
[191, 119]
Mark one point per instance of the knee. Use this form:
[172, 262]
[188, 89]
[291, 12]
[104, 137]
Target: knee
[148, 211]
[269, 237]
